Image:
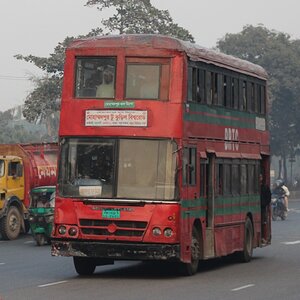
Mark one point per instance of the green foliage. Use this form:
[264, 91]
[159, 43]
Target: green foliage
[280, 56]
[139, 16]
[43, 103]
[19, 131]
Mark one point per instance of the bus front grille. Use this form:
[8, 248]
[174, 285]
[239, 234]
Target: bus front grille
[112, 227]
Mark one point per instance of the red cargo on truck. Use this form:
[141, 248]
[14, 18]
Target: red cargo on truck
[22, 167]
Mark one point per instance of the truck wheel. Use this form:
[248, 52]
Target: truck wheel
[84, 265]
[40, 239]
[10, 225]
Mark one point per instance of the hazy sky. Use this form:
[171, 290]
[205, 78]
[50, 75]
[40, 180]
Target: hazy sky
[36, 26]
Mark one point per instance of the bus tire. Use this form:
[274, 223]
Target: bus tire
[84, 265]
[10, 225]
[246, 254]
[189, 269]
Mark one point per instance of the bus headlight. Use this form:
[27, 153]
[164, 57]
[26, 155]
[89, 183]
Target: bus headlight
[62, 229]
[73, 231]
[156, 231]
[168, 232]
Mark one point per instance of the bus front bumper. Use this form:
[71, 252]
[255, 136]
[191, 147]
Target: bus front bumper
[118, 251]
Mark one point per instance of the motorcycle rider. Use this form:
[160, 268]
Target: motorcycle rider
[281, 189]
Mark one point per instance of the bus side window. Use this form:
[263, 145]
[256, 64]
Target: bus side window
[235, 174]
[243, 170]
[251, 179]
[227, 179]
[189, 166]
[243, 96]
[219, 179]
[203, 178]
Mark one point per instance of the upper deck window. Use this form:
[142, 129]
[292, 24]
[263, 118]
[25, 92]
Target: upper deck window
[214, 85]
[95, 77]
[147, 78]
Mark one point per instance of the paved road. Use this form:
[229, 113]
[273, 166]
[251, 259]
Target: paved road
[29, 272]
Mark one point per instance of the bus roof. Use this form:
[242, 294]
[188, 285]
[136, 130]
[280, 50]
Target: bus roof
[193, 51]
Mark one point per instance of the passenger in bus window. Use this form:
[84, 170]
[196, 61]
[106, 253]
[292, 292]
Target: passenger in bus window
[106, 89]
[91, 84]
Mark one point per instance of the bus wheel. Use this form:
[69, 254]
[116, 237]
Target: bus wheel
[189, 269]
[247, 252]
[10, 225]
[84, 265]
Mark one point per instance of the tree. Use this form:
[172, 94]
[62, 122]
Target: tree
[18, 131]
[280, 56]
[139, 16]
[132, 16]
[42, 104]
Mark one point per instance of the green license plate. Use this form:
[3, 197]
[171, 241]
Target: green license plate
[111, 213]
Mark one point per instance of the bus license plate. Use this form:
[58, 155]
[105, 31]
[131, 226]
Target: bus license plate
[111, 213]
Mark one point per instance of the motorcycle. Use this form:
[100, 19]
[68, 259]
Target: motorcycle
[41, 213]
[278, 208]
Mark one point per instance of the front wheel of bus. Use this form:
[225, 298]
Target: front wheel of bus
[247, 252]
[84, 265]
[191, 268]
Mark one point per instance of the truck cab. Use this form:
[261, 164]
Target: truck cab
[11, 177]
[11, 195]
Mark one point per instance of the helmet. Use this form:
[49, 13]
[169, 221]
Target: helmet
[279, 183]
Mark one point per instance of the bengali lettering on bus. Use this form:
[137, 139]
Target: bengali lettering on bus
[134, 118]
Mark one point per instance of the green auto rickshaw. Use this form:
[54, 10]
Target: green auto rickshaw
[41, 213]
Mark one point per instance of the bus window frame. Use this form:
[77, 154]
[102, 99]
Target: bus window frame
[164, 76]
[206, 85]
[189, 166]
[75, 90]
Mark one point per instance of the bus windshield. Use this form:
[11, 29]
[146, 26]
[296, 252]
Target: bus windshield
[117, 168]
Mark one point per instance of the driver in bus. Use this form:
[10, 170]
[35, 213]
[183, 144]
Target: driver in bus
[106, 89]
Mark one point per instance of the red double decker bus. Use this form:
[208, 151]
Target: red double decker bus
[161, 146]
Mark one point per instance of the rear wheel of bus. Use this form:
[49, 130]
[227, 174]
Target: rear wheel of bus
[246, 254]
[84, 265]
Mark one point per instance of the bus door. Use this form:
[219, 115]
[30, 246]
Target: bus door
[207, 188]
[264, 170]
[189, 197]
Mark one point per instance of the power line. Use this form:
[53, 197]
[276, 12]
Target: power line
[10, 77]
